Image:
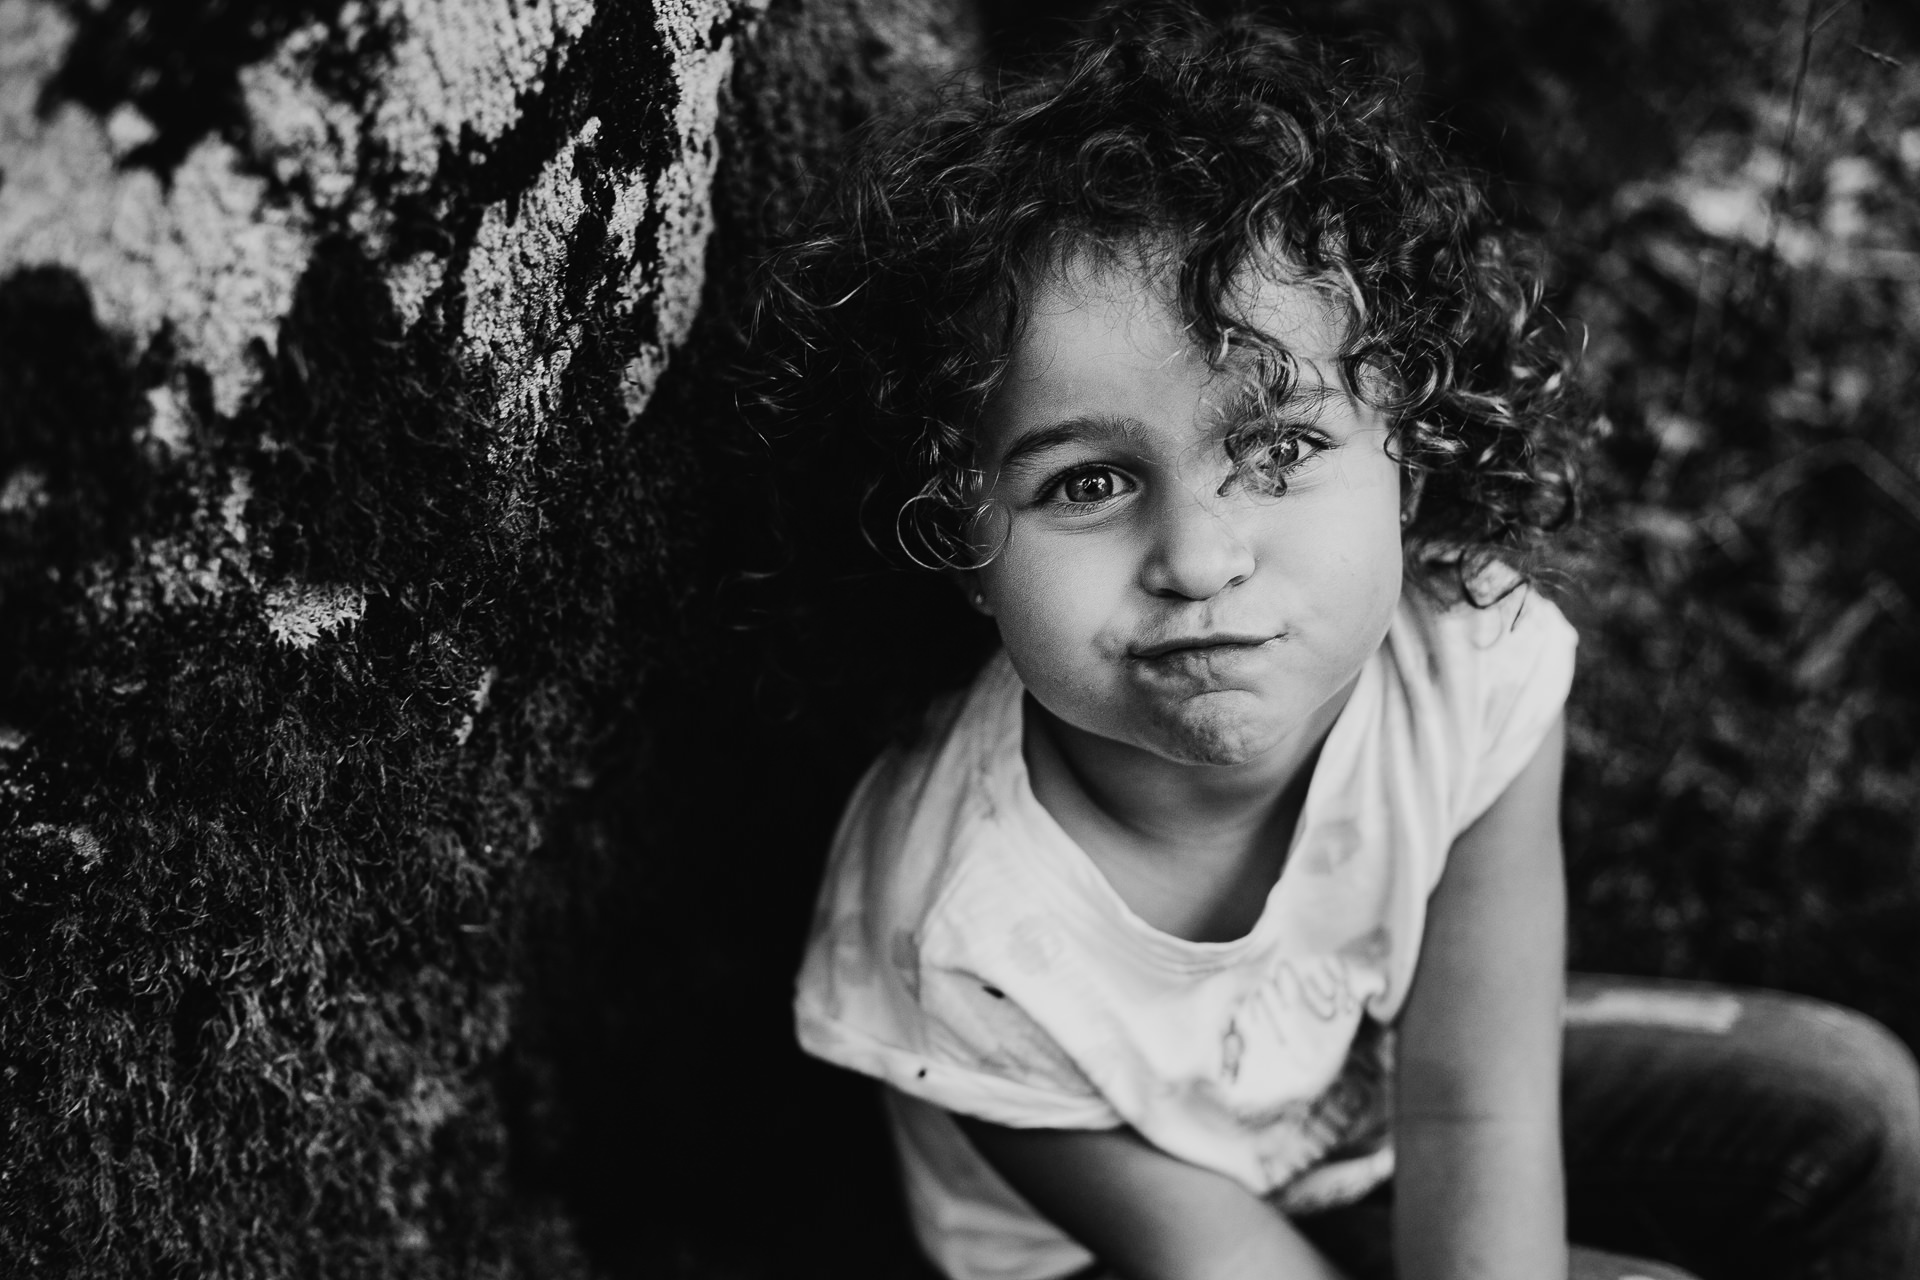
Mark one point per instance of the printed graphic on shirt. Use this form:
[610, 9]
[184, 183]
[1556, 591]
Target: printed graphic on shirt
[1332, 847]
[1289, 1073]
[1276, 1046]
[1349, 1119]
[1033, 943]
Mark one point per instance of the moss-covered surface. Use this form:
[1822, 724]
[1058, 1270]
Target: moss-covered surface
[321, 615]
[687, 1132]
[260, 937]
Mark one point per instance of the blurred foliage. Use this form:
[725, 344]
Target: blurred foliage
[1742, 803]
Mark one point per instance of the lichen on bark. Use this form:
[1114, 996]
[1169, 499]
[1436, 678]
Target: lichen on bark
[342, 525]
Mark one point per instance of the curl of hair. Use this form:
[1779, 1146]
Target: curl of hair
[1215, 148]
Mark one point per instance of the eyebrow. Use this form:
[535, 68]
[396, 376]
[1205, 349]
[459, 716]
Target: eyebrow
[1086, 430]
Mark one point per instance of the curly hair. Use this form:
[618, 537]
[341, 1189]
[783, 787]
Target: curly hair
[1212, 148]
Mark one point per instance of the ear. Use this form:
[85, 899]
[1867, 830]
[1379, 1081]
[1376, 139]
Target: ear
[1413, 480]
[967, 582]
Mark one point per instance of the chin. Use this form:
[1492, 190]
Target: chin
[1219, 737]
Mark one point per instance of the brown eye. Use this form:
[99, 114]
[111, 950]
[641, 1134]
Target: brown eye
[1283, 455]
[1089, 487]
[1269, 457]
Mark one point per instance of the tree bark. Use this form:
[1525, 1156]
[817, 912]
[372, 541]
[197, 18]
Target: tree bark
[355, 482]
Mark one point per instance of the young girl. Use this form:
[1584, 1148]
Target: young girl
[1217, 928]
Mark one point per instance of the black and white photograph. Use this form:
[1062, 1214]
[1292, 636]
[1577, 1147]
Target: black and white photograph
[959, 639]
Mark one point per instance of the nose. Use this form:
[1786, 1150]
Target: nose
[1196, 551]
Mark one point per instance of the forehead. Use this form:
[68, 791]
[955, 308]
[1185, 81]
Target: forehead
[1103, 336]
[1265, 294]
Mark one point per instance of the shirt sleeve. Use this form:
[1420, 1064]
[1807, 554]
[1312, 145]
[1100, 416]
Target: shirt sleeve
[968, 1048]
[1517, 660]
[870, 998]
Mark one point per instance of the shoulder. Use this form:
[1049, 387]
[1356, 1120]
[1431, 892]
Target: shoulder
[900, 840]
[906, 820]
[893, 984]
[1483, 684]
[1519, 638]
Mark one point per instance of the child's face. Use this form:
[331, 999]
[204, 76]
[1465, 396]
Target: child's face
[1137, 601]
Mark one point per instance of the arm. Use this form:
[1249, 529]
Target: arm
[1144, 1213]
[1479, 1189]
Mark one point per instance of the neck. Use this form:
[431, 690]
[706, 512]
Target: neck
[1168, 803]
[1193, 849]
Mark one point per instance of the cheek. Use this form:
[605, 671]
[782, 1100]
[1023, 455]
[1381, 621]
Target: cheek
[1054, 601]
[1375, 560]
[1033, 598]
[1369, 507]
[1367, 474]
[1347, 545]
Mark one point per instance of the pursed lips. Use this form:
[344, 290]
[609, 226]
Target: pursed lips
[1223, 642]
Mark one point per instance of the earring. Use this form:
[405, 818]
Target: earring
[1415, 483]
[980, 602]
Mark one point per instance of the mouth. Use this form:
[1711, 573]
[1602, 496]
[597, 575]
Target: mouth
[1216, 642]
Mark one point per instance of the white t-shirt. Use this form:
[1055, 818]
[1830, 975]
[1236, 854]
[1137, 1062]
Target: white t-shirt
[967, 952]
